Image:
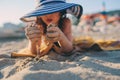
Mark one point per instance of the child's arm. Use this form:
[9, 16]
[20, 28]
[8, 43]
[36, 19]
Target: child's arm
[67, 30]
[64, 38]
[33, 34]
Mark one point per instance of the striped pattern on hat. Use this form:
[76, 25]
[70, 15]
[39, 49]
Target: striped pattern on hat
[45, 7]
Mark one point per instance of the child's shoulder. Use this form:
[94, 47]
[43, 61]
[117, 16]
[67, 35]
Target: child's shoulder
[67, 25]
[66, 20]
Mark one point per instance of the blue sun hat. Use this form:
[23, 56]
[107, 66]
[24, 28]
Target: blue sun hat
[45, 7]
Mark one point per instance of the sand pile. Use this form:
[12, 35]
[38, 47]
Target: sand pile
[80, 66]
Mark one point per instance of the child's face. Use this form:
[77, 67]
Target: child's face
[51, 18]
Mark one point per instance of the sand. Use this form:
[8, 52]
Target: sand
[79, 66]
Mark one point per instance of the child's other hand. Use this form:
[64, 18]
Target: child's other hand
[53, 34]
[33, 32]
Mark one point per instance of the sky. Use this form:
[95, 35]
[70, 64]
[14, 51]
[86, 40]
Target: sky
[12, 10]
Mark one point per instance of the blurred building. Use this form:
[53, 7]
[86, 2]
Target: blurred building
[12, 30]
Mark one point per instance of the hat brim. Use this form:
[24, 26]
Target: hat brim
[52, 8]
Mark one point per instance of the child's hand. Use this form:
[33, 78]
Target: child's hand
[53, 34]
[33, 32]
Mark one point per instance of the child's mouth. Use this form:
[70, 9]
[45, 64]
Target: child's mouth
[49, 20]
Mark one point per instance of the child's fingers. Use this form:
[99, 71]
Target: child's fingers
[51, 25]
[34, 32]
[31, 24]
[31, 28]
[39, 27]
[34, 36]
[35, 39]
[27, 29]
[52, 35]
[29, 33]
[52, 29]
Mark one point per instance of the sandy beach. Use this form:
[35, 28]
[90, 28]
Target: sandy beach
[80, 66]
[88, 30]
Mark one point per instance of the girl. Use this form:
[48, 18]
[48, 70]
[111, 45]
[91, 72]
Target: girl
[49, 28]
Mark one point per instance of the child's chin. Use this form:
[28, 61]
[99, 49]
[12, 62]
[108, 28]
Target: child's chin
[48, 23]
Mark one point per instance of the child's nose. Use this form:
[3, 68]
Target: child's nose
[49, 15]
